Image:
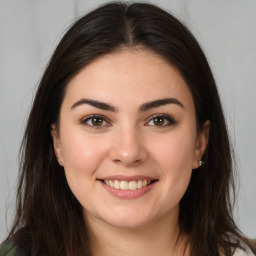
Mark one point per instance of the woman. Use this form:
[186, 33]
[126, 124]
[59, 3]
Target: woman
[126, 150]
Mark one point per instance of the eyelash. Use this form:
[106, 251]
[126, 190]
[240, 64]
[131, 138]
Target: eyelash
[166, 118]
[91, 117]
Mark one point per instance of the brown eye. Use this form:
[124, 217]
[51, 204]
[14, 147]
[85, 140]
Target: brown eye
[97, 121]
[161, 121]
[158, 121]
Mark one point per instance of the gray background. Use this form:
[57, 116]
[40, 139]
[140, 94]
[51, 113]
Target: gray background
[226, 29]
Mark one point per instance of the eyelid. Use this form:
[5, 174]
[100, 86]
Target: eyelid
[87, 118]
[170, 119]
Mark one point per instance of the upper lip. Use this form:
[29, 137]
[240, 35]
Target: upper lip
[127, 178]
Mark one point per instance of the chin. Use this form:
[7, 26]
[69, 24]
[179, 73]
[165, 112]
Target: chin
[128, 218]
[130, 223]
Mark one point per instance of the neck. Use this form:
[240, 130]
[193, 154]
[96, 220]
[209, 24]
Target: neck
[156, 238]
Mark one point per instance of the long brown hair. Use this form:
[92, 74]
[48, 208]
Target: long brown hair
[49, 218]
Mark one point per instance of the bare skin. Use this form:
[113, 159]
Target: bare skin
[128, 118]
[160, 239]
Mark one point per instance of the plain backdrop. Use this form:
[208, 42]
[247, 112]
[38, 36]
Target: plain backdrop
[226, 30]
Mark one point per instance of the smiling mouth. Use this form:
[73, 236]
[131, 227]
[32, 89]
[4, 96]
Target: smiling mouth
[128, 185]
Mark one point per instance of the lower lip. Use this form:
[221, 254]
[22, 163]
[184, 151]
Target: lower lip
[128, 194]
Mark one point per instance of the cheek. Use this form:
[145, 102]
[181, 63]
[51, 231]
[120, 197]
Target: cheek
[82, 154]
[175, 151]
[175, 156]
[82, 157]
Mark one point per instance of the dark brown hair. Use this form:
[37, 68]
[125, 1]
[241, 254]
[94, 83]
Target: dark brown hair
[49, 218]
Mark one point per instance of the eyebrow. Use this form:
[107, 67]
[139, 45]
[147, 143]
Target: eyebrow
[159, 103]
[143, 108]
[94, 103]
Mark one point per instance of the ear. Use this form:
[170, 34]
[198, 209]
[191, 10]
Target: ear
[56, 144]
[201, 143]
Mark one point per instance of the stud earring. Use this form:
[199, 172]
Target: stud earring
[200, 163]
[60, 162]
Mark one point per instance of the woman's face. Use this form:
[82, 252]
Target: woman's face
[127, 139]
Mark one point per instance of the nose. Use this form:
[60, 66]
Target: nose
[128, 147]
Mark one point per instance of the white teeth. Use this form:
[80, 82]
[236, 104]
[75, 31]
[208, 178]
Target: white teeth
[125, 185]
[111, 183]
[116, 184]
[132, 185]
[139, 184]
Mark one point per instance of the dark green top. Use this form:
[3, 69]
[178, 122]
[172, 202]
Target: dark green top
[7, 249]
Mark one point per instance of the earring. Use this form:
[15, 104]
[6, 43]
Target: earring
[200, 163]
[60, 162]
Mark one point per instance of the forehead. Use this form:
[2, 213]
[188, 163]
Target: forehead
[128, 76]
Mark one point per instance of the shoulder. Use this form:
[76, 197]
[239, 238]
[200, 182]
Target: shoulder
[8, 249]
